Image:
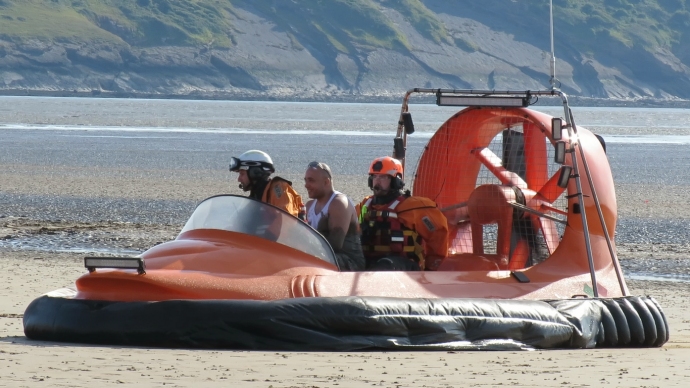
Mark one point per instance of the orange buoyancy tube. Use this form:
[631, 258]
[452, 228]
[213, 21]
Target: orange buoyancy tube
[384, 234]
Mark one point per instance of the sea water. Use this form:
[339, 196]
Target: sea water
[303, 117]
[648, 145]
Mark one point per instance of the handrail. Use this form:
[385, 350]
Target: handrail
[400, 133]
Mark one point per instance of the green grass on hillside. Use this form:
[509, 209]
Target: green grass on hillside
[138, 22]
[338, 25]
[628, 22]
[421, 18]
[176, 22]
[341, 22]
[45, 20]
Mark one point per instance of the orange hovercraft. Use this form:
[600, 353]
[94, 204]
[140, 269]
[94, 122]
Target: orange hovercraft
[531, 208]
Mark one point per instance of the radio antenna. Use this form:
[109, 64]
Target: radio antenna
[553, 79]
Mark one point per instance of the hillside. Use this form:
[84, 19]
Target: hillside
[342, 49]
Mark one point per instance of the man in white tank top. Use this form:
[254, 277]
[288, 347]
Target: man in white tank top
[333, 215]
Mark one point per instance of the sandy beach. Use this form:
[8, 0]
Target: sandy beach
[27, 363]
[128, 195]
[27, 274]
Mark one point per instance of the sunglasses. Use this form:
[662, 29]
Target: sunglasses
[321, 166]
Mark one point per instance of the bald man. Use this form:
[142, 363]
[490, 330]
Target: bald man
[333, 215]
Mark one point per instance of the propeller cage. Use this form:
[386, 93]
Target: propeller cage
[483, 158]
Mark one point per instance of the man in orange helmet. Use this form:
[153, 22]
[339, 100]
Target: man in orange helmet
[254, 170]
[400, 232]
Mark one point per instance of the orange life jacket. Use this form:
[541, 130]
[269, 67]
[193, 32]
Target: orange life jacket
[279, 193]
[383, 234]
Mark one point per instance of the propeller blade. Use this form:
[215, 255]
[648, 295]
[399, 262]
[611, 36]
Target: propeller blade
[551, 191]
[493, 163]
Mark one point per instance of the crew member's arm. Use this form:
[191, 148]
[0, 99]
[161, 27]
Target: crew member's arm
[339, 217]
[458, 214]
[307, 207]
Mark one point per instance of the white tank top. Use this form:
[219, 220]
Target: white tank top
[314, 218]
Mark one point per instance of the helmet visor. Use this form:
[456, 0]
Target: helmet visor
[234, 164]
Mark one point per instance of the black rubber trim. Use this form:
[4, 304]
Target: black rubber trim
[622, 328]
[659, 321]
[609, 333]
[634, 323]
[648, 321]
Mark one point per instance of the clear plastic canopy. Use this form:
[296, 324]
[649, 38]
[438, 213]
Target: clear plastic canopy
[251, 217]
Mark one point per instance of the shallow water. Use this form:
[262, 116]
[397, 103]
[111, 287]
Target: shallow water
[166, 115]
[681, 278]
[65, 246]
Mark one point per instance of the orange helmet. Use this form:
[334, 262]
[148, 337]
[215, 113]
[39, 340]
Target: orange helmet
[389, 166]
[386, 165]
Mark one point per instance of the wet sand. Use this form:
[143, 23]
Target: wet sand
[131, 191]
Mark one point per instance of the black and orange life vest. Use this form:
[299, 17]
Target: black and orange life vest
[384, 235]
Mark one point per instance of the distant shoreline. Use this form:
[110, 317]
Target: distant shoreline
[345, 98]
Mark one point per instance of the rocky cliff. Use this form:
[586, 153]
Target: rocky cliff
[273, 49]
